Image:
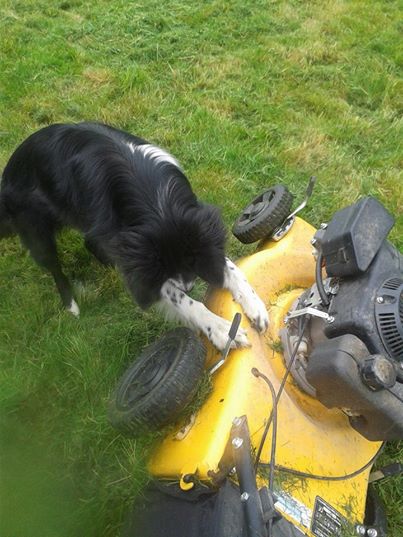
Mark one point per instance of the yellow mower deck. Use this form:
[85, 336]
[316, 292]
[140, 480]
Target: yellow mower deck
[310, 438]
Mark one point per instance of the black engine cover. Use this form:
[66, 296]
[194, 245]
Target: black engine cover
[353, 307]
[334, 369]
[354, 236]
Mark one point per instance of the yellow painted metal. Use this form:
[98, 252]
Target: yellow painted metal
[310, 438]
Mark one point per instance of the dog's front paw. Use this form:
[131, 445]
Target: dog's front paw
[256, 312]
[218, 335]
[73, 308]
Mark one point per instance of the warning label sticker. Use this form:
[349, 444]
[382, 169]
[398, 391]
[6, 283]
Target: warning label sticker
[326, 521]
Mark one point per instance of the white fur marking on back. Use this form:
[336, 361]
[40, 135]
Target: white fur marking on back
[73, 308]
[154, 153]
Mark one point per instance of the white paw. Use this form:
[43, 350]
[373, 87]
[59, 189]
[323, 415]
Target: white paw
[256, 311]
[218, 335]
[73, 308]
[236, 282]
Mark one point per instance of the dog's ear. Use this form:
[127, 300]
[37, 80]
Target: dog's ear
[209, 244]
[143, 292]
[211, 269]
[140, 265]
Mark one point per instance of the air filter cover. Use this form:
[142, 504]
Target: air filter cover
[354, 236]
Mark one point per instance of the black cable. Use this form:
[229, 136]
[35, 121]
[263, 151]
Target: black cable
[319, 282]
[323, 477]
[280, 391]
[257, 373]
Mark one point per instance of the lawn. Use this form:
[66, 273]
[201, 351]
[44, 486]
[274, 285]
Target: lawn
[245, 95]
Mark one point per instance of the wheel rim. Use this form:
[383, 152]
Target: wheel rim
[147, 376]
[257, 207]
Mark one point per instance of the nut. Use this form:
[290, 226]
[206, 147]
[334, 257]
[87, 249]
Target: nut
[237, 442]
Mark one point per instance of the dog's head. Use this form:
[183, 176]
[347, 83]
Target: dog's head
[181, 245]
[197, 247]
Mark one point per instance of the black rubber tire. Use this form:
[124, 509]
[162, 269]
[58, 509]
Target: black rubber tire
[266, 213]
[159, 384]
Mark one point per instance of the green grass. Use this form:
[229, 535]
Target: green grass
[245, 94]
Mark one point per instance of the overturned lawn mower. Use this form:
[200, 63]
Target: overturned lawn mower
[284, 444]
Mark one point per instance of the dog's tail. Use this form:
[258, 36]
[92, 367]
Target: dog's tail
[6, 226]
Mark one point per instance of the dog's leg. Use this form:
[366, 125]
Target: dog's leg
[237, 284]
[191, 312]
[94, 247]
[42, 246]
[6, 226]
[6, 229]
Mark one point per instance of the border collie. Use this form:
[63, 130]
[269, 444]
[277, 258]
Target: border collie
[136, 210]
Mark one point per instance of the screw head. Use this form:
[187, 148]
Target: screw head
[244, 497]
[323, 225]
[237, 442]
[372, 532]
[380, 299]
[360, 529]
[313, 242]
[330, 319]
[237, 422]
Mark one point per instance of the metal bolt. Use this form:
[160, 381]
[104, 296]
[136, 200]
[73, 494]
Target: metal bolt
[244, 497]
[323, 225]
[380, 299]
[313, 241]
[237, 422]
[237, 442]
[360, 529]
[330, 319]
[232, 471]
[372, 532]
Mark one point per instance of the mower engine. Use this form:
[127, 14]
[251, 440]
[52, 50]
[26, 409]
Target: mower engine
[351, 356]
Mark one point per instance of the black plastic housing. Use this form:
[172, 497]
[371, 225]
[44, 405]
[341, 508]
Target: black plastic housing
[334, 370]
[353, 307]
[354, 237]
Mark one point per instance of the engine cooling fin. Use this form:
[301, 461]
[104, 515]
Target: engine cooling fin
[389, 316]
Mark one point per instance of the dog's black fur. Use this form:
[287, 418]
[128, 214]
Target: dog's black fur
[136, 212]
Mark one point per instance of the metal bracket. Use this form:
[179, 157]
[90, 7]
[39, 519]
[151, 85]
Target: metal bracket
[285, 227]
[249, 494]
[282, 230]
[308, 194]
[308, 311]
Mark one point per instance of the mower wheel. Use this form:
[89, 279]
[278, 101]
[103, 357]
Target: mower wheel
[266, 213]
[159, 384]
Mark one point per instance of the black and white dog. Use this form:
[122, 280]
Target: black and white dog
[136, 210]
